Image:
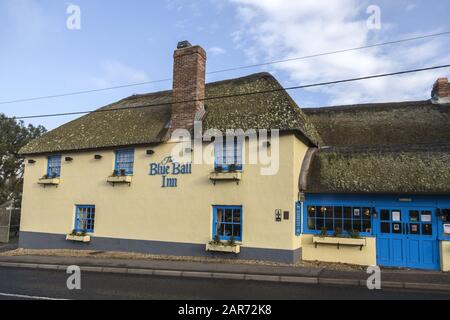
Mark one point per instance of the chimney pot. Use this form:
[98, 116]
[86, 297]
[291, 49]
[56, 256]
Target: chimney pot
[184, 44]
[441, 91]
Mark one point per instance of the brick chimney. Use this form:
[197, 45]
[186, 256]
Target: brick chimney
[441, 91]
[188, 85]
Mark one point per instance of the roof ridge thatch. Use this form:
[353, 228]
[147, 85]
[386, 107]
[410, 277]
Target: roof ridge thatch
[141, 119]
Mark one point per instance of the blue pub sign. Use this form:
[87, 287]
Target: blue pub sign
[169, 172]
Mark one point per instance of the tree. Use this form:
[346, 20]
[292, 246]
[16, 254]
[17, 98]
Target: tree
[13, 136]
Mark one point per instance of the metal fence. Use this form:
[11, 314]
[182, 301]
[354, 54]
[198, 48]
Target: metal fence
[9, 224]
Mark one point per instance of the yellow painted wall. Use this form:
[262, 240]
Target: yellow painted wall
[299, 156]
[445, 255]
[345, 254]
[145, 211]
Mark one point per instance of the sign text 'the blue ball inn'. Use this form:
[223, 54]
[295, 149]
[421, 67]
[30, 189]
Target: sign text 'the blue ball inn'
[166, 168]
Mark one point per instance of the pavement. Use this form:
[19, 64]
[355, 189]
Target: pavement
[12, 245]
[390, 278]
[39, 284]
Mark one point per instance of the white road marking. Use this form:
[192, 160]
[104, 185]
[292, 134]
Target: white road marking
[28, 297]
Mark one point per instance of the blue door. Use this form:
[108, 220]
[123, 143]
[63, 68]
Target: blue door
[407, 237]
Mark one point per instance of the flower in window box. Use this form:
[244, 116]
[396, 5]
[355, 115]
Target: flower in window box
[232, 168]
[337, 232]
[45, 177]
[115, 173]
[219, 169]
[123, 172]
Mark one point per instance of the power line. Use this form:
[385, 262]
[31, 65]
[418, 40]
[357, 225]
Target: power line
[238, 95]
[332, 52]
[225, 70]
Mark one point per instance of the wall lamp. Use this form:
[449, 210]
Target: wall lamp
[69, 159]
[31, 161]
[150, 152]
[98, 156]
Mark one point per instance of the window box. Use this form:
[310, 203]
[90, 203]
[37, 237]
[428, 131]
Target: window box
[49, 181]
[225, 176]
[339, 241]
[78, 238]
[223, 247]
[120, 179]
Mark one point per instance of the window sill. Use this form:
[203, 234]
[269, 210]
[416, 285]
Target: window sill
[74, 238]
[49, 182]
[223, 247]
[120, 179]
[225, 176]
[338, 241]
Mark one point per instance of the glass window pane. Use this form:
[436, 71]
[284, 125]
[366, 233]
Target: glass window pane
[338, 212]
[414, 216]
[311, 211]
[237, 231]
[338, 224]
[357, 225]
[397, 228]
[385, 227]
[220, 229]
[426, 216]
[347, 212]
[228, 230]
[385, 215]
[328, 212]
[228, 215]
[236, 216]
[312, 224]
[348, 225]
[220, 216]
[367, 226]
[329, 224]
[427, 229]
[414, 228]
[320, 223]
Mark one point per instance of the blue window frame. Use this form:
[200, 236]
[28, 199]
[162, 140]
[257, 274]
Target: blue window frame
[227, 154]
[84, 218]
[345, 218]
[124, 161]
[227, 222]
[54, 166]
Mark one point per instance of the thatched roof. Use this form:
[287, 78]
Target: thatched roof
[382, 124]
[381, 148]
[147, 125]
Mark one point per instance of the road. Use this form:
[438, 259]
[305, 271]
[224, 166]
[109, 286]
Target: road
[42, 284]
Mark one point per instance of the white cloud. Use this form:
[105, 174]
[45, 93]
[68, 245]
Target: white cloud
[273, 30]
[116, 73]
[217, 51]
[28, 21]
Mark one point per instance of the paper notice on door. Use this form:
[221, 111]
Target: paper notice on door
[426, 217]
[396, 216]
[447, 228]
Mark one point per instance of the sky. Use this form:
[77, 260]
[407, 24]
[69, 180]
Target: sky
[122, 42]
